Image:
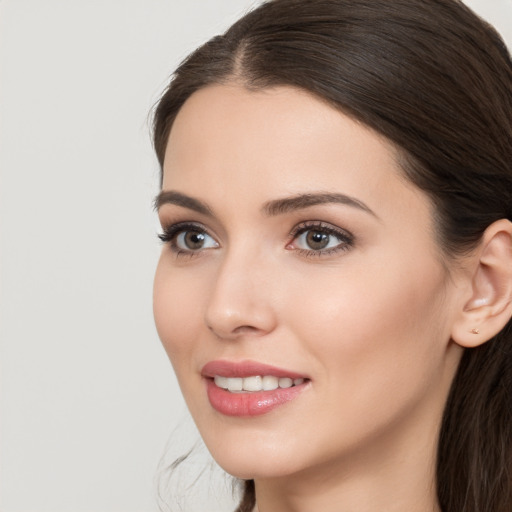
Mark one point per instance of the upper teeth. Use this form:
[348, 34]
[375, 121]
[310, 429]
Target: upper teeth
[256, 383]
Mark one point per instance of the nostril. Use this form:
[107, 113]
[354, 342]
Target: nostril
[247, 330]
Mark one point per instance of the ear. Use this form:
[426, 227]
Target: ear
[489, 306]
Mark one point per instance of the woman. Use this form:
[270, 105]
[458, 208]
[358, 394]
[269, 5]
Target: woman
[335, 288]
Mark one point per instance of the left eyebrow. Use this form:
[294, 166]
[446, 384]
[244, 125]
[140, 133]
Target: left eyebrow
[301, 201]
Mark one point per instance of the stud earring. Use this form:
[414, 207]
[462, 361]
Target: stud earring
[475, 331]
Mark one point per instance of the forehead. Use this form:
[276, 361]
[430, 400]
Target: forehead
[229, 141]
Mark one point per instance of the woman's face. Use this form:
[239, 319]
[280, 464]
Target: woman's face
[297, 252]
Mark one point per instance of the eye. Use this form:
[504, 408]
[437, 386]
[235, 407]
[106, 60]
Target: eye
[194, 241]
[187, 238]
[320, 238]
[316, 240]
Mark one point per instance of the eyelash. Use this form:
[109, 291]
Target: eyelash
[346, 239]
[170, 234]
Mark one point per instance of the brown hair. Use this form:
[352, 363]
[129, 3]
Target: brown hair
[437, 81]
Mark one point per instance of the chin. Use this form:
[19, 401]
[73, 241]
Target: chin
[272, 468]
[249, 454]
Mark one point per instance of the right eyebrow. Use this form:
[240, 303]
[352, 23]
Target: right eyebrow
[179, 199]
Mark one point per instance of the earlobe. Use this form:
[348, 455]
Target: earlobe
[489, 307]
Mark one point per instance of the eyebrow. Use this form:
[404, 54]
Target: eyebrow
[270, 208]
[300, 201]
[179, 199]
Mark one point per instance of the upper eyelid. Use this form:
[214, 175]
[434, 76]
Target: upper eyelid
[171, 229]
[301, 226]
[171, 214]
[327, 226]
[174, 228]
[169, 222]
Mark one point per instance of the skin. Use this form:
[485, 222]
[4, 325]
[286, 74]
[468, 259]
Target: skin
[368, 324]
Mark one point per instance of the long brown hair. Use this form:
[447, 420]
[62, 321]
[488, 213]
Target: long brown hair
[436, 80]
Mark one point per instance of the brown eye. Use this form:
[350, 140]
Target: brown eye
[317, 240]
[321, 239]
[194, 240]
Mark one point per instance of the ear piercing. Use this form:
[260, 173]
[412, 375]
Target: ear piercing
[475, 331]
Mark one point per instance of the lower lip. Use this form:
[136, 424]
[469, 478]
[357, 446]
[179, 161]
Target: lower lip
[252, 403]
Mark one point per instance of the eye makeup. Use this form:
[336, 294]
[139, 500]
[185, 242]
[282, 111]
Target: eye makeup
[319, 238]
[307, 239]
[187, 238]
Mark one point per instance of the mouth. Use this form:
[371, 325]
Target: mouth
[249, 388]
[255, 383]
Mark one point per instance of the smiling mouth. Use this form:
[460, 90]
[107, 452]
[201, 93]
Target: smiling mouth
[255, 383]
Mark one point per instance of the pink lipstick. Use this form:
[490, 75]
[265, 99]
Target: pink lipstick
[249, 388]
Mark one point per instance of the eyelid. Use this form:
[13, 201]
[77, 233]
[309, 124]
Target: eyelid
[346, 238]
[170, 232]
[322, 225]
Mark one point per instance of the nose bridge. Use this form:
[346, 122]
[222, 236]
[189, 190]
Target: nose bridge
[241, 300]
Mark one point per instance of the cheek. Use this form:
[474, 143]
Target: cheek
[176, 311]
[376, 334]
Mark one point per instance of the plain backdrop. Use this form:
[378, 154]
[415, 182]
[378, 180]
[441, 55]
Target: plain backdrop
[88, 399]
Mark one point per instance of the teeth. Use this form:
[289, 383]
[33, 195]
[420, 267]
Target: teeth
[270, 382]
[285, 382]
[235, 384]
[252, 384]
[222, 382]
[255, 383]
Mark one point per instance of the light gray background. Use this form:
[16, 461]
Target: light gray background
[88, 399]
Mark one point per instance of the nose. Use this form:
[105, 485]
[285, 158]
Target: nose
[241, 299]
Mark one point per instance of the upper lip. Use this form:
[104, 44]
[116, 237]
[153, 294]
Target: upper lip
[225, 368]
